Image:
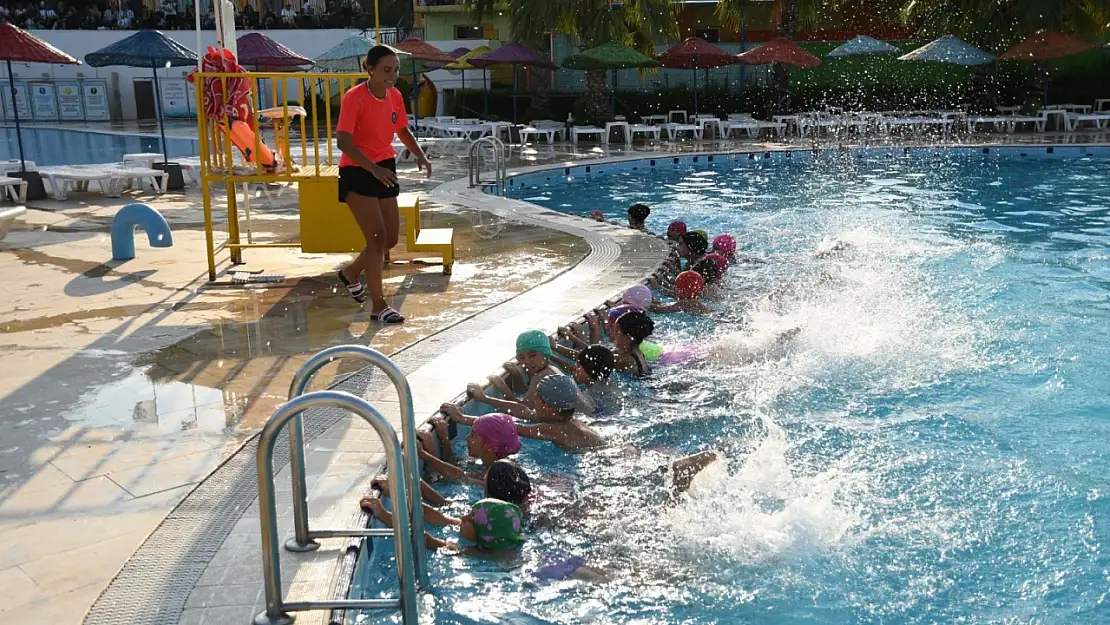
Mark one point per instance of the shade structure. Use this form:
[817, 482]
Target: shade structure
[347, 55]
[609, 56]
[21, 46]
[695, 54]
[511, 54]
[454, 54]
[949, 49]
[462, 64]
[264, 54]
[862, 45]
[146, 48]
[780, 50]
[420, 52]
[1047, 46]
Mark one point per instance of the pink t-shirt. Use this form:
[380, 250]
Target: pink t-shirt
[372, 122]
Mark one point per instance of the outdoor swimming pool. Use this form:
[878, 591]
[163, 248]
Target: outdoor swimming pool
[930, 448]
[50, 146]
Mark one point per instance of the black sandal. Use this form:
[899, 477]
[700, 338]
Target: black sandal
[388, 315]
[355, 289]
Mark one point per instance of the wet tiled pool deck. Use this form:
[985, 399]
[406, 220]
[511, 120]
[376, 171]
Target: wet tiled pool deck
[127, 387]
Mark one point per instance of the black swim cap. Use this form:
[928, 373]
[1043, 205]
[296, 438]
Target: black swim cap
[508, 482]
[597, 361]
[637, 325]
[696, 243]
[708, 270]
[638, 212]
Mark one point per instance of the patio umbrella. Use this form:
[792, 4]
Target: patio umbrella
[695, 54]
[21, 46]
[862, 45]
[780, 50]
[462, 64]
[455, 54]
[420, 52]
[511, 54]
[264, 54]
[348, 54]
[146, 48]
[949, 49]
[1043, 46]
[609, 56]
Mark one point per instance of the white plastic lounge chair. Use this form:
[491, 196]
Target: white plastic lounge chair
[532, 132]
[749, 126]
[1076, 120]
[998, 122]
[678, 113]
[63, 179]
[712, 123]
[644, 129]
[127, 175]
[578, 131]
[7, 218]
[674, 129]
[16, 188]
[1040, 122]
[12, 165]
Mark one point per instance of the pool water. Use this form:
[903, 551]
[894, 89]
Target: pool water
[48, 146]
[930, 448]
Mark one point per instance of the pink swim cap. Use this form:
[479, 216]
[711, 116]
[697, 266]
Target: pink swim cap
[677, 228]
[725, 244]
[596, 214]
[498, 434]
[719, 260]
[638, 296]
[616, 311]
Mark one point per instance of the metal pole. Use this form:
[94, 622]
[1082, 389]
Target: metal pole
[276, 611]
[303, 536]
[415, 98]
[514, 97]
[613, 96]
[485, 94]
[161, 122]
[15, 111]
[377, 25]
[200, 49]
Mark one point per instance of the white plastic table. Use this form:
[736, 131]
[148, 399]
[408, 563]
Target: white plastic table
[652, 131]
[654, 119]
[578, 131]
[623, 126]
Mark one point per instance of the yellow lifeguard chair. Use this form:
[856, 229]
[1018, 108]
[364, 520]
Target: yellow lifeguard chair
[326, 224]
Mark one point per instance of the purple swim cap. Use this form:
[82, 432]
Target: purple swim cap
[616, 311]
[498, 433]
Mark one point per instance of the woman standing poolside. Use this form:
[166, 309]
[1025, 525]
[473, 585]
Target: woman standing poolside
[371, 114]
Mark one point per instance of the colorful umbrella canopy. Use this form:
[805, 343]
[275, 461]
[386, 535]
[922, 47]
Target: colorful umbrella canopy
[347, 55]
[862, 45]
[695, 53]
[146, 48]
[454, 54]
[780, 50]
[19, 45]
[463, 62]
[511, 54]
[608, 56]
[419, 52]
[949, 49]
[1046, 46]
[263, 53]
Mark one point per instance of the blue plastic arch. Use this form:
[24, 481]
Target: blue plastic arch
[138, 215]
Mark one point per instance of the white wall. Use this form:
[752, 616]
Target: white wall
[306, 42]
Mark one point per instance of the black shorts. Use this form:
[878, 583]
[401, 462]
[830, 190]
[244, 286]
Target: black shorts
[355, 179]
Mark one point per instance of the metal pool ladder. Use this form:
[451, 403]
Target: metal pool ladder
[475, 157]
[401, 462]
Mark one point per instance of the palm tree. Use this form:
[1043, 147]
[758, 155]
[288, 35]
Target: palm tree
[997, 25]
[634, 23]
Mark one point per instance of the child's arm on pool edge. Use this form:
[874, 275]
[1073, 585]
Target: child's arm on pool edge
[513, 408]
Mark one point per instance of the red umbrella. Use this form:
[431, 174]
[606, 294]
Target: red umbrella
[424, 51]
[695, 54]
[1046, 46]
[19, 45]
[780, 50]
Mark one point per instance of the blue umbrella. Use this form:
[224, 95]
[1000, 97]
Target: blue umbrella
[949, 49]
[146, 48]
[863, 45]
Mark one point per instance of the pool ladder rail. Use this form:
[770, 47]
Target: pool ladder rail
[476, 157]
[408, 518]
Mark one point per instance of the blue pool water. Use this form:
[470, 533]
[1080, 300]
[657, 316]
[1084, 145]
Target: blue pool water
[931, 448]
[49, 146]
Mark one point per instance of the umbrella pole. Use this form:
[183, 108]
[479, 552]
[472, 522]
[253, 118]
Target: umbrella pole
[485, 94]
[514, 95]
[462, 92]
[613, 96]
[695, 90]
[415, 100]
[161, 122]
[15, 111]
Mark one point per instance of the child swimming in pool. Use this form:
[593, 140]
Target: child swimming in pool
[493, 526]
[689, 286]
[637, 216]
[630, 331]
[675, 231]
[692, 246]
[492, 437]
[553, 414]
[533, 352]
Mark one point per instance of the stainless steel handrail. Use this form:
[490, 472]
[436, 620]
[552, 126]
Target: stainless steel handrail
[474, 162]
[277, 611]
[303, 535]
